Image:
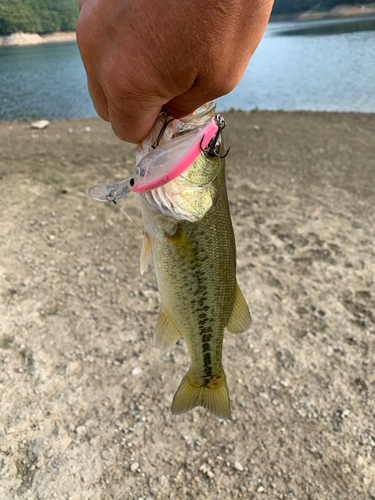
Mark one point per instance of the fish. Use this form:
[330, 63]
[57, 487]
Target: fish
[188, 234]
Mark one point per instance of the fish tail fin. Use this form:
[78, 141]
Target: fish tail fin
[212, 396]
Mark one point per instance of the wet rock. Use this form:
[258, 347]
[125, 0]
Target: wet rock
[40, 124]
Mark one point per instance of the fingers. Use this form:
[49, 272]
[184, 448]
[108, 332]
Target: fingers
[202, 91]
[185, 104]
[131, 119]
[99, 99]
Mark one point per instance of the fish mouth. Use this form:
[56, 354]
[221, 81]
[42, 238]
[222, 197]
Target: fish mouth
[201, 112]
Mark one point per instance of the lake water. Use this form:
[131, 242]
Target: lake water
[326, 65]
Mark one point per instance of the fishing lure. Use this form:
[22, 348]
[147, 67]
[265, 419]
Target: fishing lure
[164, 162]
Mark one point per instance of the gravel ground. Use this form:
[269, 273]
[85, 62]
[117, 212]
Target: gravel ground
[84, 395]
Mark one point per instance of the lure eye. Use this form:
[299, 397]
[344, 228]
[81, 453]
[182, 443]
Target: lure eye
[132, 182]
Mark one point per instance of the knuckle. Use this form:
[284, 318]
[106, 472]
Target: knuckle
[84, 40]
[118, 91]
[227, 82]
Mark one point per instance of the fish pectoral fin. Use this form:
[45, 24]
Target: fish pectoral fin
[146, 253]
[165, 334]
[214, 397]
[183, 246]
[240, 319]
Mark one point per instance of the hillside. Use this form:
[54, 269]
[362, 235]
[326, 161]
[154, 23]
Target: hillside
[37, 16]
[285, 7]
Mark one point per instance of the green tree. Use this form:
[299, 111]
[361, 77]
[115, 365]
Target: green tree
[15, 16]
[37, 16]
[68, 14]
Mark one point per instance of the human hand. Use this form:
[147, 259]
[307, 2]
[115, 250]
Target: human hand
[142, 55]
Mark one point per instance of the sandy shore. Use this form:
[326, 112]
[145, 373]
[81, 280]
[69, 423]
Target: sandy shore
[85, 396]
[21, 38]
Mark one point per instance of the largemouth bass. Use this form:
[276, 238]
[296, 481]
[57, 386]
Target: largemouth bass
[189, 236]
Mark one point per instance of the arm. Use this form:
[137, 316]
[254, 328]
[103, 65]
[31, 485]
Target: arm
[142, 55]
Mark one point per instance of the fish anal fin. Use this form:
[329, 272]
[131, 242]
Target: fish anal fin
[214, 397]
[165, 334]
[240, 319]
[146, 253]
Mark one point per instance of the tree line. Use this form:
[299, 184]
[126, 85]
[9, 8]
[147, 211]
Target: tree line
[297, 6]
[37, 16]
[45, 16]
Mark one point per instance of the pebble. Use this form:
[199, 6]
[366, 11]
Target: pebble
[81, 431]
[134, 466]
[87, 129]
[40, 124]
[238, 466]
[260, 489]
[136, 371]
[51, 237]
[204, 468]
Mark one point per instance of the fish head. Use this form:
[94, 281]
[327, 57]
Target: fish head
[191, 195]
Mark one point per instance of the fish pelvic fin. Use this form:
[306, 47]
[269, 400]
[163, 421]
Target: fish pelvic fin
[146, 253]
[165, 333]
[212, 396]
[240, 319]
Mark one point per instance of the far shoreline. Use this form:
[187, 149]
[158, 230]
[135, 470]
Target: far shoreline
[344, 11]
[339, 12]
[20, 39]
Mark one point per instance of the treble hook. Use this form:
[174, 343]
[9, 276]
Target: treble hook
[210, 149]
[162, 130]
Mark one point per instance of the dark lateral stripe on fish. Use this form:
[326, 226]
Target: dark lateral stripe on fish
[207, 366]
[206, 347]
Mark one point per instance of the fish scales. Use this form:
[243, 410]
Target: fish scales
[195, 265]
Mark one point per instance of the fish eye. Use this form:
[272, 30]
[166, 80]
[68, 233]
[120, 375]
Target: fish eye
[131, 182]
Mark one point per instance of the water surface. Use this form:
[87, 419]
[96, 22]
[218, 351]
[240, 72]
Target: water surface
[43, 81]
[326, 65]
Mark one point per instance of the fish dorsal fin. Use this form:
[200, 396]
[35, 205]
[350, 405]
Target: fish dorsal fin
[240, 319]
[166, 334]
[146, 253]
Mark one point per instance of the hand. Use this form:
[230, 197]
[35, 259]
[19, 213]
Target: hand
[142, 55]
